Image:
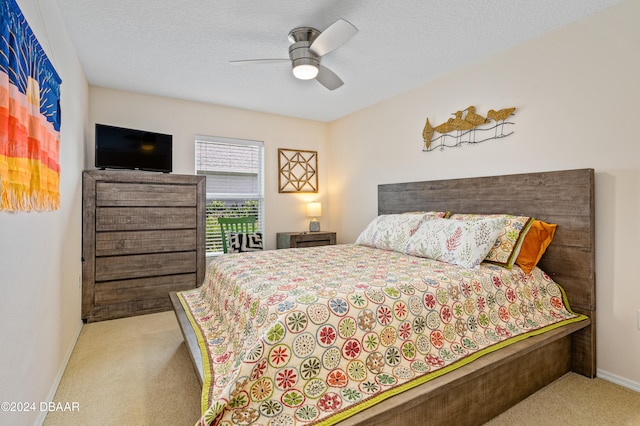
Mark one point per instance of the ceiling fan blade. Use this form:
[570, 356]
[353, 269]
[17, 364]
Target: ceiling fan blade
[328, 78]
[333, 37]
[259, 61]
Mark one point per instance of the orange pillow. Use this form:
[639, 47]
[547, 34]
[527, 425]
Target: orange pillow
[535, 244]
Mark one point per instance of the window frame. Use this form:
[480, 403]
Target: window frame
[212, 196]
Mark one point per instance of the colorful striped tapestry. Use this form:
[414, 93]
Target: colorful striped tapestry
[29, 118]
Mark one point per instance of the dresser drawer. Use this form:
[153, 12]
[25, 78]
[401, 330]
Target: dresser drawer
[314, 243]
[124, 291]
[144, 194]
[145, 265]
[305, 239]
[141, 242]
[144, 218]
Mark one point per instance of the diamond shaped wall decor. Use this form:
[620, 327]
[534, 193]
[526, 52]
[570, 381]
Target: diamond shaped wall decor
[298, 170]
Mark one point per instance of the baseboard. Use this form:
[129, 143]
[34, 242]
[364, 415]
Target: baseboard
[618, 380]
[58, 378]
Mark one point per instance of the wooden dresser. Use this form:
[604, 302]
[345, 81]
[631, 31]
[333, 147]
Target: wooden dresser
[142, 237]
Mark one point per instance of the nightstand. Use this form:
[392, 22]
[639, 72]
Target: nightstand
[305, 239]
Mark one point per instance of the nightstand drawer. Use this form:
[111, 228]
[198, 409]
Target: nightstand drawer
[305, 239]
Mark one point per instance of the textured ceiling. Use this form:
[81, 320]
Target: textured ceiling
[182, 48]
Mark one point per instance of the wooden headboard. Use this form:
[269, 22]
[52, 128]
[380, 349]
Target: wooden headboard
[565, 198]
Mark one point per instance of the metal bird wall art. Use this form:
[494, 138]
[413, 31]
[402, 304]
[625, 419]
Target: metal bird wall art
[463, 128]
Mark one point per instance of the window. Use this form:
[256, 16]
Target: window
[234, 169]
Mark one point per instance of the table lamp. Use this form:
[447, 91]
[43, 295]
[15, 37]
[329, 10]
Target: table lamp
[314, 210]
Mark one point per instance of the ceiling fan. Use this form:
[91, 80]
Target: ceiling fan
[308, 46]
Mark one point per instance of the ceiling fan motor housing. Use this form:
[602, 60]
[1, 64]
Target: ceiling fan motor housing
[300, 54]
[299, 51]
[303, 34]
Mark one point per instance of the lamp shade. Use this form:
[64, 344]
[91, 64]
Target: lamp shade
[314, 209]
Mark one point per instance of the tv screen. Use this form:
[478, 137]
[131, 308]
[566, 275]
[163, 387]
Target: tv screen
[121, 148]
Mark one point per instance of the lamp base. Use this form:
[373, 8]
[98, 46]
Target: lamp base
[314, 226]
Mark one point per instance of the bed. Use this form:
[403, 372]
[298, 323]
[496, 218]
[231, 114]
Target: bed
[478, 391]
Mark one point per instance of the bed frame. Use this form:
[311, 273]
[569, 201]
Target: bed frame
[477, 392]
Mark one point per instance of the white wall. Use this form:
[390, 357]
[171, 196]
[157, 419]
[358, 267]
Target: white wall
[40, 252]
[185, 119]
[576, 91]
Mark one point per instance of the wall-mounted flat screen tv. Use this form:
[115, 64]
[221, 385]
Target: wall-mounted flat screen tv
[120, 148]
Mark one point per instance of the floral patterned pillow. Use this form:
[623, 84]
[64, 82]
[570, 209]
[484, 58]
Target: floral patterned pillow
[507, 246]
[464, 243]
[392, 231]
[432, 215]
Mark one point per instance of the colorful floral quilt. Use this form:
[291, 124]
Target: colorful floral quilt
[314, 335]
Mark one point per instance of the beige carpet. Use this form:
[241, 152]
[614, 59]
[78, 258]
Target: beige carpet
[575, 400]
[136, 371]
[130, 371]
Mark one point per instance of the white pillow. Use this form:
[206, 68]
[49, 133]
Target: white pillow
[390, 231]
[460, 242]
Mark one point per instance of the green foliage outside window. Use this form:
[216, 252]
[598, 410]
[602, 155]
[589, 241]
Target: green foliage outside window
[219, 208]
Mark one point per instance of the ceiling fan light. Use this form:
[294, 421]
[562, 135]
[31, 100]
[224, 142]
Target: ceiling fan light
[305, 71]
